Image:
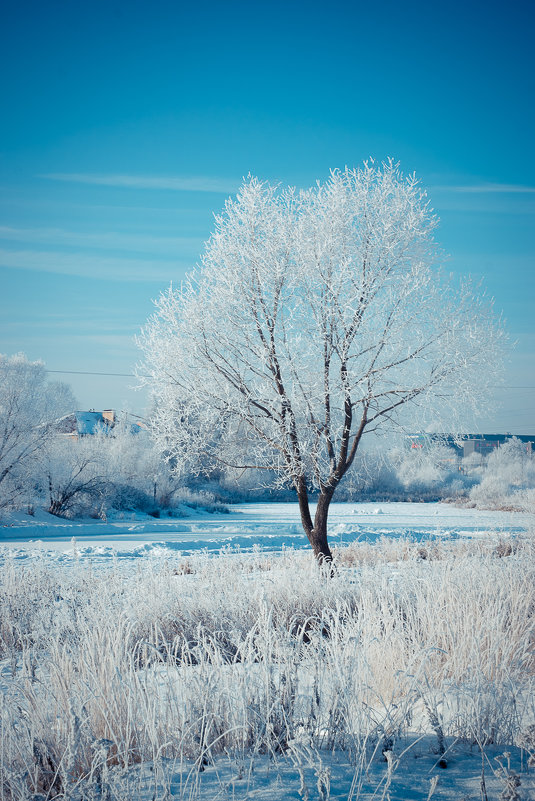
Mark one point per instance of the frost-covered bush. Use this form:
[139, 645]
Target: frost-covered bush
[72, 479]
[137, 473]
[29, 404]
[372, 477]
[508, 478]
[199, 497]
[429, 473]
[386, 473]
[124, 497]
[116, 467]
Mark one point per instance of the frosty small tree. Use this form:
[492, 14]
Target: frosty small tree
[29, 404]
[316, 318]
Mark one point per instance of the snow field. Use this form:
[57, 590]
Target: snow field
[130, 538]
[253, 676]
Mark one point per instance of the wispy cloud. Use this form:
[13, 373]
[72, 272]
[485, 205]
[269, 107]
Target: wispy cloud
[519, 265]
[175, 183]
[487, 188]
[76, 322]
[93, 266]
[106, 240]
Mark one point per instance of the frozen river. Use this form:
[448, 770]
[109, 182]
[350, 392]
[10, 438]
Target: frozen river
[269, 526]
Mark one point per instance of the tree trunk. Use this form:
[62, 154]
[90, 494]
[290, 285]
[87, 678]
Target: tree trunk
[302, 497]
[56, 508]
[318, 535]
[316, 531]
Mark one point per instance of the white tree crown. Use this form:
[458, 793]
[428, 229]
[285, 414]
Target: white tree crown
[316, 317]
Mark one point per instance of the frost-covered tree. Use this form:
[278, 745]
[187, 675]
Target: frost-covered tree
[316, 317]
[72, 474]
[508, 478]
[135, 465]
[427, 468]
[112, 468]
[29, 405]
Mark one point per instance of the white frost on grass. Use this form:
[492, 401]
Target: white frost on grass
[249, 675]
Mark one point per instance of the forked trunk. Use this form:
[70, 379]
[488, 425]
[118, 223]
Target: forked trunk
[318, 535]
[316, 530]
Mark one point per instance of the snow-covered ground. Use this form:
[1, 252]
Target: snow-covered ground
[252, 677]
[269, 526]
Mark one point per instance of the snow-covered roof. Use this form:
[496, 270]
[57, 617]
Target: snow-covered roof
[91, 422]
[85, 423]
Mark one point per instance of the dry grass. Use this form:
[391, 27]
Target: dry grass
[249, 655]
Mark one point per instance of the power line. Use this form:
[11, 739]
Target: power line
[140, 375]
[87, 372]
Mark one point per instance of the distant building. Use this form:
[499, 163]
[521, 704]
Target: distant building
[486, 443]
[418, 441]
[83, 424]
[471, 443]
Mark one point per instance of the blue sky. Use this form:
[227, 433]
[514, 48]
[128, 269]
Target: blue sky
[126, 125]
